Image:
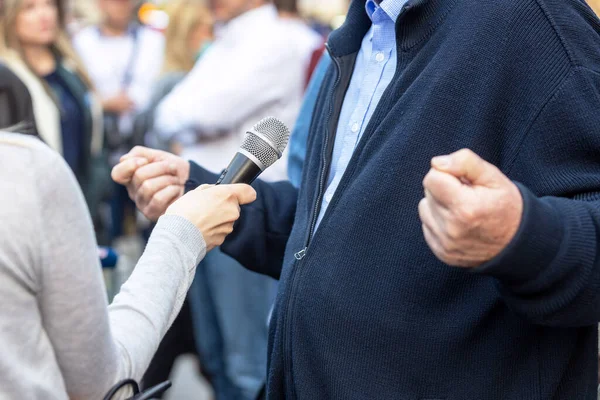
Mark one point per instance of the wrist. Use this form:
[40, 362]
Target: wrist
[532, 247]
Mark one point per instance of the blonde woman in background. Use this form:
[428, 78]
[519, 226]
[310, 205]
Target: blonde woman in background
[34, 44]
[188, 35]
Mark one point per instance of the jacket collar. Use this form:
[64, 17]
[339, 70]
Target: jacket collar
[417, 21]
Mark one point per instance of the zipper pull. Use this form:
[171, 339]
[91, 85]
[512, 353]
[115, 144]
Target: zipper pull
[300, 255]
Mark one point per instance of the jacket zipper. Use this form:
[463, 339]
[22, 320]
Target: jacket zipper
[317, 207]
[287, 356]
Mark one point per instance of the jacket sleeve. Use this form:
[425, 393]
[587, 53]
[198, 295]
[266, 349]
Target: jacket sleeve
[260, 236]
[550, 272]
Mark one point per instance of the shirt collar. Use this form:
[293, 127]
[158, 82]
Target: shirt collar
[391, 7]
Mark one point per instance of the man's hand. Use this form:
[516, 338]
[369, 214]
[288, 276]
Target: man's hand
[471, 211]
[154, 179]
[213, 209]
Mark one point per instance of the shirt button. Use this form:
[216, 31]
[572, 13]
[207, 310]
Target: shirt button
[379, 57]
[355, 127]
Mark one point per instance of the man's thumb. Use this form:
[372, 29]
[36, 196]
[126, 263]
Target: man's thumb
[467, 166]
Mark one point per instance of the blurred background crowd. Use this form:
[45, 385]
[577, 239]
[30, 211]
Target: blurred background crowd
[94, 78]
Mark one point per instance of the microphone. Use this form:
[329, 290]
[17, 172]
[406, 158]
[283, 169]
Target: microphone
[263, 145]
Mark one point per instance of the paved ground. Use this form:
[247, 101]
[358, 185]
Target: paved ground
[186, 384]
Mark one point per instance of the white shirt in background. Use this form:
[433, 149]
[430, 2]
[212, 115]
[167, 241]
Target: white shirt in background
[250, 72]
[305, 40]
[107, 58]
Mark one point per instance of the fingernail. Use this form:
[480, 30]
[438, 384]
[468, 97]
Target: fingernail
[441, 162]
[172, 168]
[141, 161]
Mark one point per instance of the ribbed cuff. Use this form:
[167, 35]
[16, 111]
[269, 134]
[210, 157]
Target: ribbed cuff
[533, 248]
[185, 232]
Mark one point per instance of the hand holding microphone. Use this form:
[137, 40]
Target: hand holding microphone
[213, 209]
[156, 187]
[471, 210]
[155, 179]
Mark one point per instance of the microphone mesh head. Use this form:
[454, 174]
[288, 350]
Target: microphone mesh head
[267, 140]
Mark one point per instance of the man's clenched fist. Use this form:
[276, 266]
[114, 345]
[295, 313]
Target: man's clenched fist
[154, 179]
[471, 210]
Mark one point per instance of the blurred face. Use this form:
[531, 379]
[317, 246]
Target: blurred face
[117, 13]
[37, 22]
[226, 10]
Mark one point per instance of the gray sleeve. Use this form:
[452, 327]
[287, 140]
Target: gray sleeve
[95, 347]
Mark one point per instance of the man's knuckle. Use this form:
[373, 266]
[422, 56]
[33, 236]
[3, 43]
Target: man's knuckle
[422, 208]
[448, 245]
[139, 198]
[454, 232]
[160, 198]
[427, 179]
[465, 153]
[147, 186]
[466, 215]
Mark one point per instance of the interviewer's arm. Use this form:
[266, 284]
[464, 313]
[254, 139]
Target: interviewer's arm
[95, 348]
[261, 234]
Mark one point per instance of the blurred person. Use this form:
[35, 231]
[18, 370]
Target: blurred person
[250, 71]
[35, 47]
[234, 85]
[409, 268]
[131, 58]
[299, 137]
[16, 106]
[124, 60]
[308, 43]
[81, 13]
[188, 35]
[59, 340]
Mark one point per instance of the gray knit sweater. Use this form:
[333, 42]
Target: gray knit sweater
[58, 338]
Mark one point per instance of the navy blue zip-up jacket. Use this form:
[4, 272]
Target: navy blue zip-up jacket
[364, 309]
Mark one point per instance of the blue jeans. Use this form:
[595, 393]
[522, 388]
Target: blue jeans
[230, 307]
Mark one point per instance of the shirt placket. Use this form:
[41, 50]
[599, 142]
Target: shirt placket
[377, 60]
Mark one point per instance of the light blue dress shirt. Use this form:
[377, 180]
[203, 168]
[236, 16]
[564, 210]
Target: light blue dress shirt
[374, 69]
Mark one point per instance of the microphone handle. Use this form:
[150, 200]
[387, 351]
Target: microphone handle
[240, 170]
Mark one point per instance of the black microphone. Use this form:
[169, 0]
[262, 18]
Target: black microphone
[263, 145]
